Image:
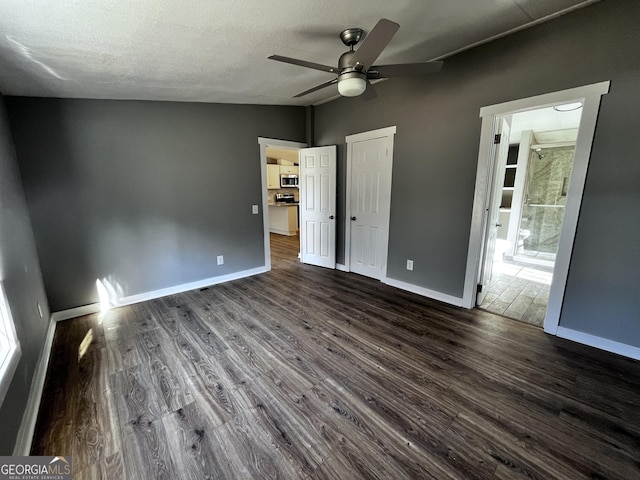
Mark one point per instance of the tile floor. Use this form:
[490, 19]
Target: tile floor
[519, 290]
[539, 255]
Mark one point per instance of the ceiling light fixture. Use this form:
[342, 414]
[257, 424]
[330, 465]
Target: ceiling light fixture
[568, 107]
[352, 84]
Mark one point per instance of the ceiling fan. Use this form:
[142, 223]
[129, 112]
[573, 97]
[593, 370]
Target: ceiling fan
[355, 68]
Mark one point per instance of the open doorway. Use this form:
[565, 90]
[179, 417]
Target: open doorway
[283, 193]
[286, 240]
[299, 200]
[490, 187]
[534, 184]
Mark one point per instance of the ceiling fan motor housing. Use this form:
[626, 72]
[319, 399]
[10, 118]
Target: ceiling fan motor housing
[345, 60]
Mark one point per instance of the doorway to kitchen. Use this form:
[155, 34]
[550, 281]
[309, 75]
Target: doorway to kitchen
[526, 205]
[299, 200]
[280, 205]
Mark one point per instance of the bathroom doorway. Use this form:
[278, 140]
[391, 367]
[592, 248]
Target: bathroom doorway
[531, 270]
[535, 180]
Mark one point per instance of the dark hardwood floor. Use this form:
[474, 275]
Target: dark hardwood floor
[305, 372]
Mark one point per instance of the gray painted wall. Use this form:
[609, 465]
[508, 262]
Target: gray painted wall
[144, 194]
[436, 152]
[20, 274]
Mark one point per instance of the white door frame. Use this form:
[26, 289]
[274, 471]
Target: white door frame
[264, 144]
[590, 95]
[388, 132]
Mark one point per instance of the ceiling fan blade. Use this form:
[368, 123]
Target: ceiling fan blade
[374, 43]
[404, 70]
[304, 63]
[318, 87]
[370, 93]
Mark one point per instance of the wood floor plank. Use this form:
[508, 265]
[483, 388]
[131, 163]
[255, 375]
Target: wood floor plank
[170, 376]
[120, 338]
[290, 431]
[354, 420]
[146, 449]
[56, 424]
[192, 441]
[95, 436]
[309, 373]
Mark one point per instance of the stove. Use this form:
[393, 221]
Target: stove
[285, 198]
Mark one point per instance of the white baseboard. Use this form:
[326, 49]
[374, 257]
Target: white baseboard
[185, 287]
[75, 312]
[425, 292]
[30, 415]
[163, 292]
[341, 267]
[599, 342]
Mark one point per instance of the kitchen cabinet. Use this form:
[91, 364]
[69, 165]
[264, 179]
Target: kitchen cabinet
[283, 219]
[273, 176]
[289, 169]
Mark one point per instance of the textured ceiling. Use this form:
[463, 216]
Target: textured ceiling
[216, 51]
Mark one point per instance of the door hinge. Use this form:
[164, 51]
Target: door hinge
[479, 288]
[497, 138]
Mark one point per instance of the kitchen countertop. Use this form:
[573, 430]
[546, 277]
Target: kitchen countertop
[283, 204]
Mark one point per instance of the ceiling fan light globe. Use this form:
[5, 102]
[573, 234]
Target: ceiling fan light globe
[352, 87]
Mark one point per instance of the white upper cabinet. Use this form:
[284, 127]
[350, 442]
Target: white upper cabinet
[273, 176]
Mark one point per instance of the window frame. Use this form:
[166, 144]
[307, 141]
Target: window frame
[10, 351]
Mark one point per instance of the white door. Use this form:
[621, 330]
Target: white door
[370, 203]
[501, 151]
[318, 206]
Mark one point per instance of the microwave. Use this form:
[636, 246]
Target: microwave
[288, 180]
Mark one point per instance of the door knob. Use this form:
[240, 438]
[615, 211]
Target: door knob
[331, 217]
[498, 224]
[353, 219]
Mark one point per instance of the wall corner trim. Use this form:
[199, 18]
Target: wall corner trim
[24, 439]
[425, 292]
[598, 342]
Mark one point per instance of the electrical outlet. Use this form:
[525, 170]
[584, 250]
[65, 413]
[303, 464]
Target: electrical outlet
[254, 209]
[409, 264]
[220, 259]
